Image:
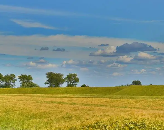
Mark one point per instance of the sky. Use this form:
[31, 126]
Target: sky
[106, 43]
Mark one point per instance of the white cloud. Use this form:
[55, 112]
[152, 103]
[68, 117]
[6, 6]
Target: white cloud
[138, 71]
[70, 62]
[107, 51]
[39, 66]
[116, 65]
[32, 24]
[117, 74]
[124, 58]
[144, 55]
[42, 61]
[25, 45]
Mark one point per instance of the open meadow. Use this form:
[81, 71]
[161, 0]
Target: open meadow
[82, 108]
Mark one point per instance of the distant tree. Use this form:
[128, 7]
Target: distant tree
[9, 81]
[1, 81]
[136, 82]
[150, 84]
[54, 79]
[1, 78]
[26, 81]
[84, 85]
[72, 80]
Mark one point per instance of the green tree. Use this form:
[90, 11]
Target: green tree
[1, 81]
[26, 81]
[84, 85]
[54, 79]
[136, 82]
[1, 78]
[9, 81]
[72, 80]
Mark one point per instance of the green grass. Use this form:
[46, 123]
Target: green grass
[74, 90]
[152, 90]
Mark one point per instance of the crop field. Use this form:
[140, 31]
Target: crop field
[80, 111]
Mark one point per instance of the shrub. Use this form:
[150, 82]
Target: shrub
[84, 85]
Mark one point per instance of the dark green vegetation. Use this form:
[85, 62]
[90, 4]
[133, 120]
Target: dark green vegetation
[151, 90]
[54, 79]
[7, 81]
[84, 85]
[71, 80]
[136, 82]
[69, 90]
[26, 81]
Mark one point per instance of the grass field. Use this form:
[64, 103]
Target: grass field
[82, 108]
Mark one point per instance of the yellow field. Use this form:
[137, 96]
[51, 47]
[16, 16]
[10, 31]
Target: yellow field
[51, 112]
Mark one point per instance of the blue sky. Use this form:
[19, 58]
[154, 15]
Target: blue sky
[107, 43]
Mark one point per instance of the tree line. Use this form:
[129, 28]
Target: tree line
[53, 80]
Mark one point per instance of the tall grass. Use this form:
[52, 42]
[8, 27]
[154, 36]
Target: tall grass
[47, 112]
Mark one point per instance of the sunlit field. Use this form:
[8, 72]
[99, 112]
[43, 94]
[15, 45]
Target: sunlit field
[73, 112]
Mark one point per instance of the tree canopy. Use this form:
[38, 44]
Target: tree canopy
[72, 80]
[136, 82]
[9, 81]
[54, 79]
[26, 81]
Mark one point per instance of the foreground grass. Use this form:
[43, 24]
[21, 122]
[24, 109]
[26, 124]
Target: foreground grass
[53, 112]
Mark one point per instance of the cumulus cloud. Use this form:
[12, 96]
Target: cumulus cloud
[59, 49]
[69, 63]
[123, 49]
[84, 63]
[39, 66]
[41, 61]
[134, 47]
[11, 42]
[109, 51]
[44, 48]
[143, 55]
[125, 59]
[116, 65]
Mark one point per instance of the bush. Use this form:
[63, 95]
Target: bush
[136, 82]
[84, 85]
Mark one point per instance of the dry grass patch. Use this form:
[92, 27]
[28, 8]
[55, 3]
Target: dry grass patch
[50, 112]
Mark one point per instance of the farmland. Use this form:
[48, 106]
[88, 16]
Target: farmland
[82, 108]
